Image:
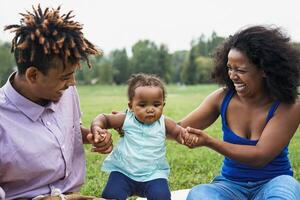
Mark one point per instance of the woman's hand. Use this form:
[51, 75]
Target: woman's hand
[196, 138]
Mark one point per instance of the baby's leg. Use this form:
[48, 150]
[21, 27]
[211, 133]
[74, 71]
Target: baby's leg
[118, 187]
[158, 189]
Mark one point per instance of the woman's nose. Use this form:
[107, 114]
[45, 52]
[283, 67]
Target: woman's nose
[233, 74]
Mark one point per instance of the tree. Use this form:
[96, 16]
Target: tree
[144, 57]
[106, 72]
[204, 69]
[177, 63]
[87, 75]
[6, 62]
[120, 65]
[164, 60]
[189, 71]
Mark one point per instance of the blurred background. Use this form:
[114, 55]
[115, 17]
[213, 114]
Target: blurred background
[171, 38]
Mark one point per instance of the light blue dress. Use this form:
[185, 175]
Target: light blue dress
[140, 154]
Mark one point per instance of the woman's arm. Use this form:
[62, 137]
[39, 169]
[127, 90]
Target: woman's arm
[207, 113]
[275, 136]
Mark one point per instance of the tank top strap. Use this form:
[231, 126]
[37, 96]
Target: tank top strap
[225, 102]
[272, 110]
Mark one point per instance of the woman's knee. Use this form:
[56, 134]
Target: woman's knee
[202, 191]
[282, 186]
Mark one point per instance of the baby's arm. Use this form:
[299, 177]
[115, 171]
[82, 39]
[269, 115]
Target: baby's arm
[174, 131]
[178, 133]
[103, 122]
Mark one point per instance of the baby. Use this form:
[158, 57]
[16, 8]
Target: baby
[138, 164]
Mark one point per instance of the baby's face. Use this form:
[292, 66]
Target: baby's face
[147, 104]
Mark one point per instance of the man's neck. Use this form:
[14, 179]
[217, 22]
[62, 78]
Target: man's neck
[20, 84]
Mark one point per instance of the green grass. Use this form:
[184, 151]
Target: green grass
[188, 166]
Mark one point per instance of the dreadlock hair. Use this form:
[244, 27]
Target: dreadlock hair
[44, 35]
[141, 80]
[269, 49]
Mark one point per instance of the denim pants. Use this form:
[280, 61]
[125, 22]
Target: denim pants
[120, 187]
[280, 187]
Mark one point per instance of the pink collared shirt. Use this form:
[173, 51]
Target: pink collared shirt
[40, 147]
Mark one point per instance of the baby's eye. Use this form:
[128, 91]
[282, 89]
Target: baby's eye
[157, 105]
[142, 105]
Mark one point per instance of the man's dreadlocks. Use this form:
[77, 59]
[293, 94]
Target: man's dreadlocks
[43, 35]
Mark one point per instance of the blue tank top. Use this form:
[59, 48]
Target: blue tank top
[237, 171]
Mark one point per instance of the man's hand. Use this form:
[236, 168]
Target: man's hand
[100, 139]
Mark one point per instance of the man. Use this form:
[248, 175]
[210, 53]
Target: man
[41, 138]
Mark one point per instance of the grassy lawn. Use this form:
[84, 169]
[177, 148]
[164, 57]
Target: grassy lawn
[188, 167]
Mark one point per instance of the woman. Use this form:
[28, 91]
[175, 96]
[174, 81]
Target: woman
[260, 114]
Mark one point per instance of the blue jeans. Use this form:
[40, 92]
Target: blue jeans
[120, 187]
[280, 187]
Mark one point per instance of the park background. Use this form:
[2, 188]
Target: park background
[173, 39]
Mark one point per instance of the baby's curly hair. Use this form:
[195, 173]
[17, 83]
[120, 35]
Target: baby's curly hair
[141, 80]
[43, 35]
[269, 49]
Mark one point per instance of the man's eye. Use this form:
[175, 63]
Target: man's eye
[65, 78]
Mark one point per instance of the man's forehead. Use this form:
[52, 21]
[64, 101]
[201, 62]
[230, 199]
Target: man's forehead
[63, 68]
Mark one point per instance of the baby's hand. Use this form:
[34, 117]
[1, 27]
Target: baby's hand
[190, 140]
[99, 135]
[181, 136]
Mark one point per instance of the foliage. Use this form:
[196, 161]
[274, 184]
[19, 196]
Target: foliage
[205, 47]
[183, 67]
[120, 64]
[189, 75]
[204, 69]
[6, 62]
[177, 62]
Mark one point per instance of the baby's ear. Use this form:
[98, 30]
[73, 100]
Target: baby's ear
[164, 104]
[130, 105]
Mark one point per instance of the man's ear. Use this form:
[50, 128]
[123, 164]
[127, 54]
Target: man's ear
[32, 74]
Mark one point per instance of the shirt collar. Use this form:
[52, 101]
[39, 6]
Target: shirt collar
[29, 108]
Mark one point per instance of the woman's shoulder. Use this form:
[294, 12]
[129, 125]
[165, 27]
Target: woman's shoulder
[291, 110]
[218, 95]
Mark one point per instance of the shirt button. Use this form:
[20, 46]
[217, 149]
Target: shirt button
[48, 123]
[63, 147]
